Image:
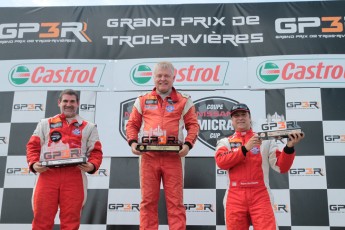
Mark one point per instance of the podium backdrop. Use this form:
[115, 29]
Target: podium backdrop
[285, 60]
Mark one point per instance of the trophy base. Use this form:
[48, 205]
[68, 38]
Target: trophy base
[278, 134]
[64, 162]
[158, 148]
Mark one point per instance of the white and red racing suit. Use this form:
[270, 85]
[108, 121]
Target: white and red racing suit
[171, 114]
[63, 187]
[248, 198]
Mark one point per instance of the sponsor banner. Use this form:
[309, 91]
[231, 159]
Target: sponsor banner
[190, 30]
[281, 206]
[87, 105]
[334, 138]
[100, 179]
[29, 106]
[190, 73]
[336, 207]
[303, 105]
[222, 178]
[212, 112]
[123, 206]
[56, 75]
[296, 71]
[4, 138]
[308, 173]
[200, 206]
[17, 174]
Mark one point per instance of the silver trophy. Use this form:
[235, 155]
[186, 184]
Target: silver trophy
[279, 130]
[59, 155]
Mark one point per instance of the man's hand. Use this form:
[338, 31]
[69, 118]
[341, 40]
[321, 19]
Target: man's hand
[39, 168]
[134, 149]
[253, 141]
[184, 151]
[86, 167]
[294, 138]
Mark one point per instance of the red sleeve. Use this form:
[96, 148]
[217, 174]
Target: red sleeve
[134, 124]
[225, 158]
[284, 160]
[33, 151]
[192, 126]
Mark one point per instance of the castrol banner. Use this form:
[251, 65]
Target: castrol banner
[296, 71]
[51, 74]
[190, 73]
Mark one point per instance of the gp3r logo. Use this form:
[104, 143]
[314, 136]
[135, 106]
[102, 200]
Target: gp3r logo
[334, 24]
[306, 172]
[44, 30]
[124, 207]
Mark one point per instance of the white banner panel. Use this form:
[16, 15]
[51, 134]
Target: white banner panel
[290, 71]
[304, 106]
[4, 138]
[200, 206]
[56, 74]
[308, 173]
[123, 206]
[191, 73]
[282, 207]
[336, 204]
[334, 138]
[29, 106]
[18, 174]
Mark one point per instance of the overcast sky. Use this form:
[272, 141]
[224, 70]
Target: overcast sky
[20, 3]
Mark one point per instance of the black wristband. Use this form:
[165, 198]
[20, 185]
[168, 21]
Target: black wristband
[131, 142]
[244, 150]
[190, 146]
[289, 150]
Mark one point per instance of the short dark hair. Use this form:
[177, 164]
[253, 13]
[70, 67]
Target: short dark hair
[69, 92]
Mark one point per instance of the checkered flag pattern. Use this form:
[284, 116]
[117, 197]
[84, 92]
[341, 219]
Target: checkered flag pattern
[310, 196]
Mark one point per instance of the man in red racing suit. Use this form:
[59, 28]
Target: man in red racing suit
[65, 186]
[162, 110]
[247, 159]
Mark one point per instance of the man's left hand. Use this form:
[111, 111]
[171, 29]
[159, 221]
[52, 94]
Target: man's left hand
[294, 138]
[86, 167]
[184, 151]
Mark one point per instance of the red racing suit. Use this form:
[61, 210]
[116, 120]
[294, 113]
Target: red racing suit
[248, 199]
[171, 114]
[61, 186]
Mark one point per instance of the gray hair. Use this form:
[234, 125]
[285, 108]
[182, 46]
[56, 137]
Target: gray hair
[164, 65]
[69, 92]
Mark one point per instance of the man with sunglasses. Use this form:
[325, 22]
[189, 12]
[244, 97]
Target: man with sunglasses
[247, 158]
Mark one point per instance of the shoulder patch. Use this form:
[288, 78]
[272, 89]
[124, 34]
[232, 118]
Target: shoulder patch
[185, 95]
[144, 93]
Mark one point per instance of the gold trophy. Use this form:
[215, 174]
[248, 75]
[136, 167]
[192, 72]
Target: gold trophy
[157, 140]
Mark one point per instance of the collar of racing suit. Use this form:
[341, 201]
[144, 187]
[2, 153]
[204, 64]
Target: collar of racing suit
[173, 94]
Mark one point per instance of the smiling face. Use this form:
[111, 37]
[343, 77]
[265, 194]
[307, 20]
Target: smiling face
[241, 121]
[163, 78]
[68, 105]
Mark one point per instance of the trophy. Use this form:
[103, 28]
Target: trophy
[156, 140]
[279, 130]
[59, 155]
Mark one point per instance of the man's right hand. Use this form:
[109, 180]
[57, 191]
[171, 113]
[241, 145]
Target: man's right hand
[39, 168]
[134, 149]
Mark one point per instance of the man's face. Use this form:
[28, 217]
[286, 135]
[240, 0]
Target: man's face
[68, 105]
[163, 80]
[241, 121]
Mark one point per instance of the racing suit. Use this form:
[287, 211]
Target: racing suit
[171, 114]
[248, 198]
[61, 186]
